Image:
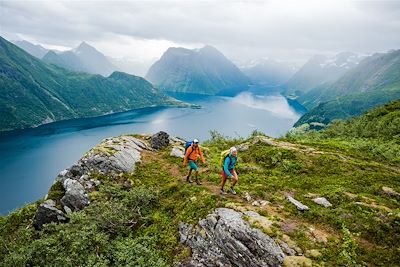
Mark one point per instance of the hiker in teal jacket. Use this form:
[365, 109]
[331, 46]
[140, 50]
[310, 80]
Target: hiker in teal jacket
[229, 171]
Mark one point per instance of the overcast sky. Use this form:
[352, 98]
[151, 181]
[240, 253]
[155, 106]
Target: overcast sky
[143, 30]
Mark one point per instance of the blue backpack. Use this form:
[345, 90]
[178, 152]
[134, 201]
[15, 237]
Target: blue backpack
[187, 145]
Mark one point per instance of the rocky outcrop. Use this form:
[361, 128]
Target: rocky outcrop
[160, 140]
[224, 238]
[75, 197]
[113, 156]
[47, 213]
[300, 206]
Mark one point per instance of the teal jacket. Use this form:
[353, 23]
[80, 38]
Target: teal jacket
[229, 164]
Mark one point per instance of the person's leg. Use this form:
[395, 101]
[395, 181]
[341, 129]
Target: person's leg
[234, 178]
[196, 176]
[194, 167]
[188, 175]
[234, 181]
[223, 180]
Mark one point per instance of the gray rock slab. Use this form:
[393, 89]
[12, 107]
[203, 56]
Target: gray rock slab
[47, 213]
[224, 238]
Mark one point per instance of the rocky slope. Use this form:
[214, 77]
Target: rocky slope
[113, 156]
[126, 203]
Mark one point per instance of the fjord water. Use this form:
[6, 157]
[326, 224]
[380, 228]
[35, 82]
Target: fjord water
[31, 159]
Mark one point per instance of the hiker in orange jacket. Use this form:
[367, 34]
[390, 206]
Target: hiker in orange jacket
[192, 153]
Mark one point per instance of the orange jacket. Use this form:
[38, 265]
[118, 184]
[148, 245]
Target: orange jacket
[193, 154]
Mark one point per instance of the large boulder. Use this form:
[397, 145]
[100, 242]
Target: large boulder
[160, 140]
[47, 213]
[113, 156]
[75, 197]
[224, 238]
[178, 151]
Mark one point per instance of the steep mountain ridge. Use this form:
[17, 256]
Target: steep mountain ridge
[320, 70]
[34, 93]
[375, 81]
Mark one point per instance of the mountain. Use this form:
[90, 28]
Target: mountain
[35, 50]
[320, 70]
[202, 71]
[84, 58]
[268, 72]
[375, 81]
[33, 92]
[328, 198]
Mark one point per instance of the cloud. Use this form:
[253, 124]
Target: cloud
[288, 30]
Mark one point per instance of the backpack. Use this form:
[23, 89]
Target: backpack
[223, 156]
[187, 145]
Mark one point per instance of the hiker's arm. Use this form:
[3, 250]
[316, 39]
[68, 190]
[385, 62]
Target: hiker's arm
[201, 156]
[185, 159]
[226, 166]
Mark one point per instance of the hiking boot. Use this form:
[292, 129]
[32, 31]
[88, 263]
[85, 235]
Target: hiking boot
[222, 191]
[198, 182]
[233, 192]
[188, 180]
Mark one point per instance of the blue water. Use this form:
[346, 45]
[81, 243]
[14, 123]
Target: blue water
[31, 159]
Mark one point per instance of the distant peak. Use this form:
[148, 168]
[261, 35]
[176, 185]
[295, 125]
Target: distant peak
[83, 44]
[84, 47]
[209, 48]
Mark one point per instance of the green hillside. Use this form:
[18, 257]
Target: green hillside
[133, 220]
[375, 81]
[33, 92]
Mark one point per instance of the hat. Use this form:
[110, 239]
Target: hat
[233, 149]
[195, 141]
